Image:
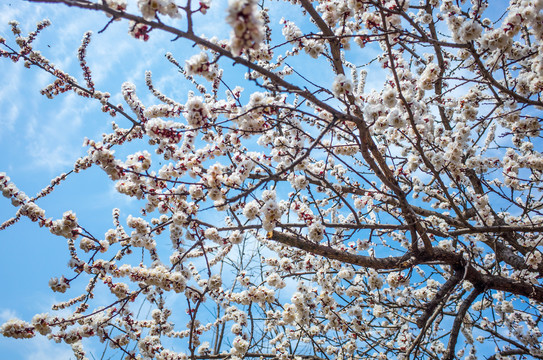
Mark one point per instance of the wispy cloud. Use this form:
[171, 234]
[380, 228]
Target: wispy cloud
[9, 118]
[41, 348]
[7, 314]
[53, 140]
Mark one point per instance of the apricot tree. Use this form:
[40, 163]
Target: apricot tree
[312, 216]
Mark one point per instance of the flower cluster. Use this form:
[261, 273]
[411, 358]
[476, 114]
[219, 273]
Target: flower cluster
[10, 191]
[139, 31]
[429, 76]
[239, 346]
[197, 112]
[342, 86]
[199, 65]
[17, 329]
[118, 5]
[41, 323]
[104, 157]
[59, 285]
[275, 280]
[298, 182]
[138, 162]
[270, 210]
[66, 227]
[246, 24]
[150, 8]
[292, 33]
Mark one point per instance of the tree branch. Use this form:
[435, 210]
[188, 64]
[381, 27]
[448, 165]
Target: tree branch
[453, 337]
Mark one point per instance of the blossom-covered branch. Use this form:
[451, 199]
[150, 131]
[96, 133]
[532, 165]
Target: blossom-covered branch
[364, 183]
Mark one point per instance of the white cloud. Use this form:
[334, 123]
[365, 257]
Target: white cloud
[7, 314]
[53, 139]
[43, 349]
[9, 119]
[10, 99]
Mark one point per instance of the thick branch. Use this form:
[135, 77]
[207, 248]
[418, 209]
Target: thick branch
[440, 296]
[453, 338]
[256, 355]
[505, 353]
[331, 253]
[409, 259]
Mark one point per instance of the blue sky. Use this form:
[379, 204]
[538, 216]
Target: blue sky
[42, 138]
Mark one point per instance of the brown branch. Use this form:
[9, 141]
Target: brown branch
[257, 355]
[331, 253]
[505, 353]
[488, 76]
[453, 337]
[410, 259]
[439, 297]
[335, 48]
[496, 229]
